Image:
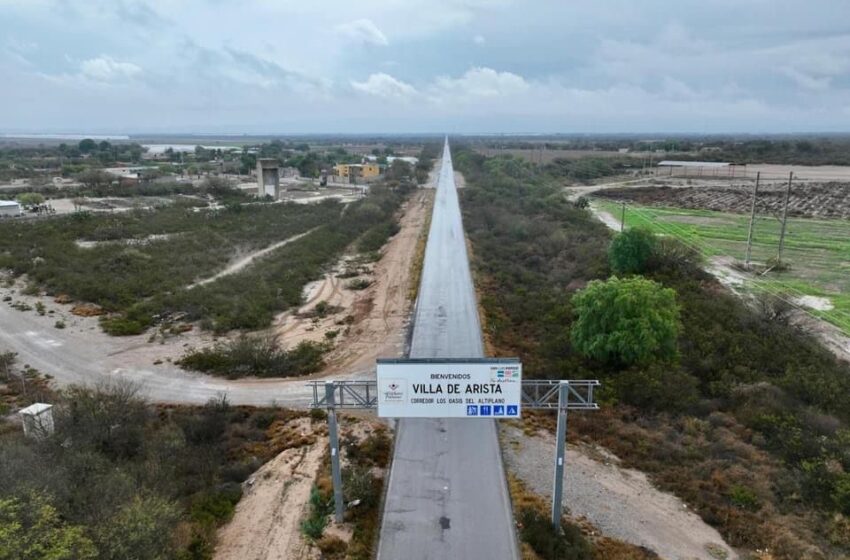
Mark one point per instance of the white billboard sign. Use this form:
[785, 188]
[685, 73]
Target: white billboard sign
[486, 388]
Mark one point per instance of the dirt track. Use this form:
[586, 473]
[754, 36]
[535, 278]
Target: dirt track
[621, 503]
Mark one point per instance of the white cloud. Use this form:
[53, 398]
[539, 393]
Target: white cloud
[106, 69]
[363, 31]
[478, 83]
[384, 85]
[807, 81]
[479, 40]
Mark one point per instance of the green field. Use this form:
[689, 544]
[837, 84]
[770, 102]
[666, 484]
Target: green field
[817, 252]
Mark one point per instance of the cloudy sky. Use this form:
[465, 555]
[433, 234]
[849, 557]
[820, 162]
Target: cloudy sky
[280, 66]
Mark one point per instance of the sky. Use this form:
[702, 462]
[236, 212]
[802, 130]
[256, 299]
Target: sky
[413, 66]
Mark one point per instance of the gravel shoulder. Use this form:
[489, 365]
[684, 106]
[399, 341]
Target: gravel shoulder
[621, 503]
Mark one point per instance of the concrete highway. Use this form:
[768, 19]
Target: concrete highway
[447, 496]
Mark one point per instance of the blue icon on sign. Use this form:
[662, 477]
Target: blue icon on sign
[499, 410]
[513, 410]
[472, 410]
[485, 410]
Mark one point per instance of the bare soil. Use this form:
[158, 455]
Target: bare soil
[817, 200]
[620, 503]
[266, 524]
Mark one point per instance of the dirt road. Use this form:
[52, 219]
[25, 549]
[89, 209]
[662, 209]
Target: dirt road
[621, 503]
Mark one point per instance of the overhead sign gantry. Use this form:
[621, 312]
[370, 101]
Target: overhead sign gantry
[479, 388]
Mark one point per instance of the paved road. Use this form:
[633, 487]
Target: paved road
[447, 495]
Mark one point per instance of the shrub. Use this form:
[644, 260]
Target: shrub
[121, 326]
[59, 324]
[216, 507]
[320, 508]
[261, 357]
[626, 321]
[550, 543]
[359, 284]
[659, 387]
[630, 252]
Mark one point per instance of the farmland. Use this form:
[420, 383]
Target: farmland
[816, 200]
[815, 254]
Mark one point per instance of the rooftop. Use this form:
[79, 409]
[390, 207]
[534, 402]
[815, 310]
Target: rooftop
[674, 163]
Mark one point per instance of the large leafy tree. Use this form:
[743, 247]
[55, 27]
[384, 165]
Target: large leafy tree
[631, 251]
[626, 321]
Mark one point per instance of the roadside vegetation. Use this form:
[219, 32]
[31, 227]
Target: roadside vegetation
[122, 479]
[365, 460]
[747, 420]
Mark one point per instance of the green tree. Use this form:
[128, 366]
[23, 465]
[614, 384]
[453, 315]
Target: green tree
[631, 251]
[30, 199]
[31, 529]
[87, 146]
[626, 321]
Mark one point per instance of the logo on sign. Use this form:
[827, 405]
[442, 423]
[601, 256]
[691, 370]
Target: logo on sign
[513, 410]
[472, 410]
[504, 374]
[486, 410]
[392, 390]
[499, 410]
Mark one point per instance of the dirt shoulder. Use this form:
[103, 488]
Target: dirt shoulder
[266, 524]
[620, 503]
[369, 323]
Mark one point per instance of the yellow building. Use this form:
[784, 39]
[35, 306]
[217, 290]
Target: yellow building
[353, 171]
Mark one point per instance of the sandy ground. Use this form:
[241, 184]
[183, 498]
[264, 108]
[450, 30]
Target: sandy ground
[248, 259]
[621, 503]
[380, 314]
[266, 524]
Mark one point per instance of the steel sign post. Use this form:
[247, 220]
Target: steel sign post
[334, 440]
[561, 443]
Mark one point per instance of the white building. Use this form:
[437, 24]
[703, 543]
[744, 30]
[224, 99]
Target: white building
[38, 420]
[9, 208]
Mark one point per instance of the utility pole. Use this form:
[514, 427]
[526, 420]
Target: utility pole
[623, 219]
[339, 507]
[752, 221]
[560, 445]
[784, 217]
